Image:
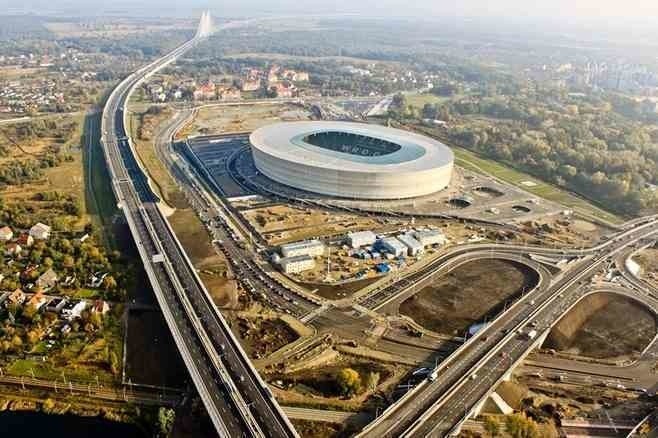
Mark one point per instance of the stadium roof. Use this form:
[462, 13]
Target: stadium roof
[290, 141]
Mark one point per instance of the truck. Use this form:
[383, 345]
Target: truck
[433, 375]
[532, 334]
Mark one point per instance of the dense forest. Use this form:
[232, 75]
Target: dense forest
[596, 145]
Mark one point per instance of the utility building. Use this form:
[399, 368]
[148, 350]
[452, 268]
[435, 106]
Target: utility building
[294, 264]
[414, 247]
[392, 246]
[361, 238]
[310, 248]
[430, 237]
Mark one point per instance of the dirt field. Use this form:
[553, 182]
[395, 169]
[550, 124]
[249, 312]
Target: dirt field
[467, 295]
[262, 336]
[599, 327]
[241, 118]
[281, 223]
[648, 260]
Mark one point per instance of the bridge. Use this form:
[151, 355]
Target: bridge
[237, 400]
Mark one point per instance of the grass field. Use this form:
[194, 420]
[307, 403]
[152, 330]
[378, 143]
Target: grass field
[471, 161]
[419, 100]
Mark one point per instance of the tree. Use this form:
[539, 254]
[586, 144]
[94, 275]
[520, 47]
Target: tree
[492, 426]
[109, 283]
[520, 426]
[372, 380]
[349, 381]
[166, 419]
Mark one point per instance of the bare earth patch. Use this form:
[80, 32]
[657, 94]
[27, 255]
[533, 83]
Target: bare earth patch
[600, 327]
[468, 294]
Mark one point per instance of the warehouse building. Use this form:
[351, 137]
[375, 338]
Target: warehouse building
[310, 248]
[392, 246]
[414, 247]
[295, 264]
[361, 238]
[430, 237]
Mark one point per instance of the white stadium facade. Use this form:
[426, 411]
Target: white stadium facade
[351, 160]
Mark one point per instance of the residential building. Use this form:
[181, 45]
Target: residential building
[56, 304]
[294, 264]
[37, 301]
[40, 231]
[47, 280]
[13, 249]
[361, 238]
[414, 247]
[6, 234]
[251, 85]
[17, 297]
[283, 89]
[229, 93]
[73, 310]
[100, 306]
[309, 247]
[25, 240]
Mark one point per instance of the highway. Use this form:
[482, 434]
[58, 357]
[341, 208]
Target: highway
[237, 400]
[467, 376]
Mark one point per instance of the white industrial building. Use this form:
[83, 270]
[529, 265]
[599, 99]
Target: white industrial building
[309, 247]
[393, 246]
[294, 264]
[361, 238]
[430, 237]
[414, 247]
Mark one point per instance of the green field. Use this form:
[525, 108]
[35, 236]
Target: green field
[471, 161]
[419, 100]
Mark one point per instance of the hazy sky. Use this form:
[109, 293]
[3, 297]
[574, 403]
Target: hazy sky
[606, 9]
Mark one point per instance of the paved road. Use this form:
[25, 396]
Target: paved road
[237, 400]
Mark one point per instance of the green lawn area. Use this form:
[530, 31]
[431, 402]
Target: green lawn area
[419, 100]
[476, 163]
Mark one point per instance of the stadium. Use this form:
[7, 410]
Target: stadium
[351, 160]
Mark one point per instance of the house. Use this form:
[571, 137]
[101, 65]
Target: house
[37, 300]
[56, 304]
[230, 93]
[97, 279]
[251, 85]
[13, 249]
[72, 310]
[47, 280]
[283, 89]
[205, 92]
[25, 240]
[40, 231]
[6, 234]
[100, 306]
[17, 297]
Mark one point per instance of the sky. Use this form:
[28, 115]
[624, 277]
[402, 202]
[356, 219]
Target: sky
[644, 10]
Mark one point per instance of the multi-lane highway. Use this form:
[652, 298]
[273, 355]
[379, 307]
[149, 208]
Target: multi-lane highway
[463, 380]
[237, 400]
